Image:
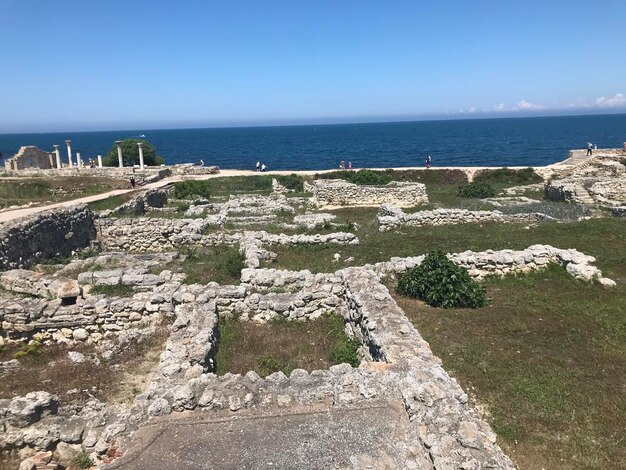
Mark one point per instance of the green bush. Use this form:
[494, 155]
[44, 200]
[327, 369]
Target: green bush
[130, 154]
[508, 176]
[82, 460]
[478, 189]
[28, 349]
[231, 262]
[361, 177]
[192, 188]
[346, 350]
[292, 182]
[623, 161]
[441, 283]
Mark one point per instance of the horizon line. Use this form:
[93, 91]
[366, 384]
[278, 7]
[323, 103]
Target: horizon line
[390, 120]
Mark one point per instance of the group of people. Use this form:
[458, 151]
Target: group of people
[342, 165]
[260, 166]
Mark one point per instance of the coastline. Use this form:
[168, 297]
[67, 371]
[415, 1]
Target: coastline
[575, 157]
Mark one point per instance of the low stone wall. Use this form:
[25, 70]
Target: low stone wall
[57, 232]
[333, 193]
[500, 263]
[41, 285]
[446, 427]
[390, 217]
[146, 234]
[87, 320]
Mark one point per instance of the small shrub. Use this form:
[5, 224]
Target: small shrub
[346, 350]
[361, 177]
[478, 189]
[231, 262]
[82, 460]
[441, 283]
[509, 176]
[113, 291]
[28, 349]
[292, 182]
[270, 364]
[87, 253]
[192, 188]
[623, 161]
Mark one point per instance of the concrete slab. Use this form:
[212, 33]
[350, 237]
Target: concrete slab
[335, 439]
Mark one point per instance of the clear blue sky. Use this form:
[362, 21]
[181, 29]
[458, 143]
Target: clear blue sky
[87, 64]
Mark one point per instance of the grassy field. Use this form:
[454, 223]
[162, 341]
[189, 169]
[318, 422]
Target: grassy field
[546, 359]
[26, 190]
[282, 345]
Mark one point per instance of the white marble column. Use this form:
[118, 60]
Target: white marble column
[57, 153]
[119, 153]
[99, 161]
[69, 151]
[140, 145]
[79, 163]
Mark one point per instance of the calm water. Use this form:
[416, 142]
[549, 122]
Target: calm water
[488, 142]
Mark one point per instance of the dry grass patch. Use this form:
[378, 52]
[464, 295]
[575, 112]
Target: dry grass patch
[113, 380]
[282, 345]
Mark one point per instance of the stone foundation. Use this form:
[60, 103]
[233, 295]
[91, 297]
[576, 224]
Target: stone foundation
[336, 193]
[390, 217]
[57, 232]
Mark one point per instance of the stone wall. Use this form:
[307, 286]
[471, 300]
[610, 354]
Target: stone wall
[390, 216]
[500, 263]
[88, 319]
[334, 193]
[149, 175]
[56, 232]
[147, 234]
[446, 427]
[30, 157]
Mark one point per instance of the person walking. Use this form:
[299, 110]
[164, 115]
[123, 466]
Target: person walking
[589, 148]
[258, 166]
[429, 161]
[263, 167]
[132, 181]
[349, 165]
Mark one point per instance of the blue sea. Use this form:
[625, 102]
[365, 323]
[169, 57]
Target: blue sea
[470, 142]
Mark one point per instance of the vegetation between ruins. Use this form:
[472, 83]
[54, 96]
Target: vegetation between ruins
[282, 345]
[20, 191]
[441, 283]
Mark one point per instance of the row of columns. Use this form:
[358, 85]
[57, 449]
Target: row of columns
[118, 143]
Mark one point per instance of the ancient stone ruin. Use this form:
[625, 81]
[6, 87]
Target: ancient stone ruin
[336, 193]
[397, 409]
[30, 157]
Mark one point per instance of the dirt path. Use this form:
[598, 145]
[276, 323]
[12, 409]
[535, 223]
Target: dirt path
[17, 213]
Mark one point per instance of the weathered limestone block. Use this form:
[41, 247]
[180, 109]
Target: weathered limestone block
[56, 232]
[390, 216]
[39, 284]
[333, 193]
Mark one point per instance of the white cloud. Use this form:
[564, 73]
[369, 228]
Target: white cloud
[499, 107]
[472, 109]
[618, 100]
[527, 105]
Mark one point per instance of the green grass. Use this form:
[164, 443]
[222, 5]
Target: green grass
[42, 189]
[282, 345]
[222, 264]
[110, 202]
[217, 187]
[546, 357]
[113, 291]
